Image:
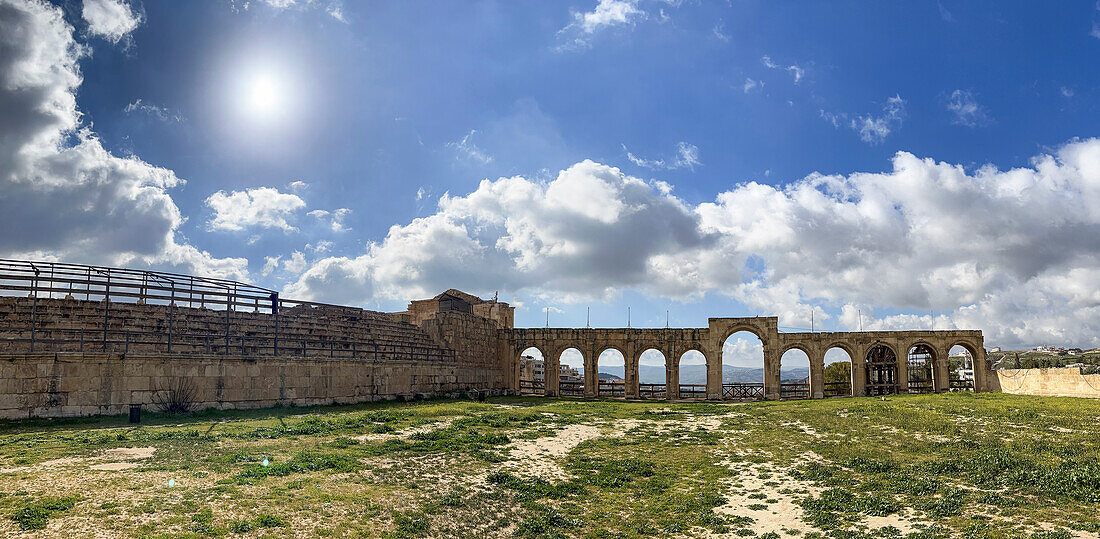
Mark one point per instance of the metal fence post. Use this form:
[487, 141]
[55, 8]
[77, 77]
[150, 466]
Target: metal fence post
[228, 300]
[106, 308]
[34, 303]
[275, 312]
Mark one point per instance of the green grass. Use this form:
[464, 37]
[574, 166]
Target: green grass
[969, 465]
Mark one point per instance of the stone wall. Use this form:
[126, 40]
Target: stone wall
[324, 355]
[74, 384]
[1061, 382]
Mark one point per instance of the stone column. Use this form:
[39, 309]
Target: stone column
[552, 376]
[714, 372]
[672, 377]
[981, 369]
[903, 370]
[630, 370]
[591, 371]
[771, 373]
[941, 371]
[859, 371]
[817, 374]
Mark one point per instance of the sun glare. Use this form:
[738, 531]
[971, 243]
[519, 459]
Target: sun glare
[264, 95]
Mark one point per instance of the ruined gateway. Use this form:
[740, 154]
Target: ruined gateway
[82, 340]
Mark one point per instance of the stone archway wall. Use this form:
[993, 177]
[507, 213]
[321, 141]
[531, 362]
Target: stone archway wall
[673, 343]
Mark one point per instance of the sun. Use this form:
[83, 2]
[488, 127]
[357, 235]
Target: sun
[264, 95]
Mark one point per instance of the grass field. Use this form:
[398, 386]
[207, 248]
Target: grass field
[985, 465]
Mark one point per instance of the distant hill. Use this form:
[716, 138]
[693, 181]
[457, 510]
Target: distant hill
[697, 374]
[608, 376]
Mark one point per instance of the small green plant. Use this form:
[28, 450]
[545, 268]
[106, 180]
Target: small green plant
[269, 521]
[35, 516]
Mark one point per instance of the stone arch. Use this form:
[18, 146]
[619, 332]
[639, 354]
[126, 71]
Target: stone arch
[731, 330]
[962, 375]
[531, 371]
[921, 358]
[691, 388]
[881, 368]
[609, 387]
[838, 381]
[735, 382]
[794, 388]
[570, 380]
[655, 387]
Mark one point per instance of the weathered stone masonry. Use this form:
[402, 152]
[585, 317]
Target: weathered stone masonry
[673, 343]
[325, 355]
[449, 344]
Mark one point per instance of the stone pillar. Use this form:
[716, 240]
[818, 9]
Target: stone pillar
[817, 374]
[630, 370]
[771, 372]
[981, 369]
[714, 372]
[941, 371]
[591, 371]
[552, 376]
[903, 370]
[859, 372]
[672, 377]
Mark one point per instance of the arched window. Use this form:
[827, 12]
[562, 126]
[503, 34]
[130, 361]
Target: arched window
[692, 379]
[611, 373]
[960, 368]
[921, 359]
[882, 371]
[837, 377]
[571, 373]
[532, 372]
[652, 374]
[794, 375]
[743, 366]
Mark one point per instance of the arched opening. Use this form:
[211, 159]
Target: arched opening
[611, 374]
[571, 373]
[882, 371]
[921, 359]
[532, 372]
[837, 376]
[960, 368]
[652, 374]
[794, 374]
[692, 377]
[743, 366]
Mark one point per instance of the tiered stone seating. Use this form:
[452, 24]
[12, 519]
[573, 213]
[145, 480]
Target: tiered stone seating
[77, 325]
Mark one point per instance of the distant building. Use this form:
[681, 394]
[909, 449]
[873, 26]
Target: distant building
[996, 349]
[532, 369]
[569, 374]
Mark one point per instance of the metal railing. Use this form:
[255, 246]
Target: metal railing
[838, 389]
[794, 390]
[742, 391]
[651, 391]
[532, 387]
[612, 388]
[115, 287]
[693, 391]
[569, 388]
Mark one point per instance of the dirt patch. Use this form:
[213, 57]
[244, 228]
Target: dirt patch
[539, 457]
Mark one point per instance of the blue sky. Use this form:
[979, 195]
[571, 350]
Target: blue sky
[720, 158]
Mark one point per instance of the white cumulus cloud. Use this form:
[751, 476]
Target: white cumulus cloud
[101, 208]
[263, 207]
[1013, 252]
[110, 19]
[607, 14]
